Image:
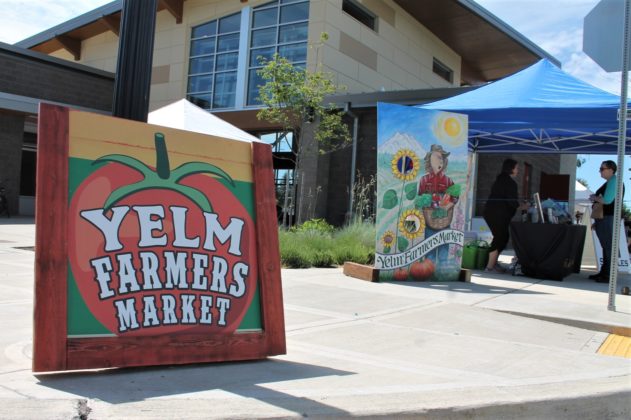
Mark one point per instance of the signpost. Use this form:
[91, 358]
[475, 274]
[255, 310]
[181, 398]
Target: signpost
[606, 39]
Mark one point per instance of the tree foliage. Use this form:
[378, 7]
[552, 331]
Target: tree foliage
[293, 96]
[583, 182]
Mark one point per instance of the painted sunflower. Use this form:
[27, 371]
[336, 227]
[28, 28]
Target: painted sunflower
[387, 239]
[405, 165]
[412, 224]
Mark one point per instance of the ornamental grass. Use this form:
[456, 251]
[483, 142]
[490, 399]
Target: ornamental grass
[317, 245]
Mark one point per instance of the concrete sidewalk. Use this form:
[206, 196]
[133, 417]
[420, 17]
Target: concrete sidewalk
[423, 350]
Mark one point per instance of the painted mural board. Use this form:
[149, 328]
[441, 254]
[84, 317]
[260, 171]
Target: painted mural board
[422, 167]
[153, 246]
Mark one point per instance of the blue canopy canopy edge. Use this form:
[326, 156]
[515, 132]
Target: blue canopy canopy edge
[540, 109]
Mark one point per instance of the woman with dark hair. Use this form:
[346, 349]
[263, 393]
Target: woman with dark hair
[606, 195]
[500, 209]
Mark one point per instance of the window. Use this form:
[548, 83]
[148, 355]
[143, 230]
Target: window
[214, 58]
[360, 13]
[277, 27]
[280, 141]
[284, 170]
[443, 71]
[226, 53]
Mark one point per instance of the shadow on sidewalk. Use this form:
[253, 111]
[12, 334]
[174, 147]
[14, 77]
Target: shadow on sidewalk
[482, 282]
[247, 379]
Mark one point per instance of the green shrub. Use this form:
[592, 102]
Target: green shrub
[314, 246]
[363, 233]
[296, 258]
[356, 253]
[323, 258]
[315, 225]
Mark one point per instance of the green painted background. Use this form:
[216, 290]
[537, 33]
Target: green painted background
[80, 320]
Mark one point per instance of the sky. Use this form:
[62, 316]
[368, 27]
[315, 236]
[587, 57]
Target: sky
[556, 26]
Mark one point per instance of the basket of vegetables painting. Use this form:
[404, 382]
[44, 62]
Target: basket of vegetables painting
[438, 218]
[438, 209]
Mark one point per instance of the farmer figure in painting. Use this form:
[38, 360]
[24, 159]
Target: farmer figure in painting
[435, 184]
[435, 181]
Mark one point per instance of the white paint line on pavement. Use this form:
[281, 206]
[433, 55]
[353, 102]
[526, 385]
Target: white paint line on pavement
[14, 264]
[339, 320]
[382, 362]
[458, 378]
[19, 352]
[17, 302]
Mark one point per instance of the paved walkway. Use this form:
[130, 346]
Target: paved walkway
[498, 347]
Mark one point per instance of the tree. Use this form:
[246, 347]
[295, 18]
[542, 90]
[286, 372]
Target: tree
[583, 182]
[293, 98]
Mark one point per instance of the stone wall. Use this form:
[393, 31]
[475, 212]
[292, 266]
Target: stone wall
[339, 167]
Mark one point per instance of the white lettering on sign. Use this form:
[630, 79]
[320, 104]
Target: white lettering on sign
[392, 261]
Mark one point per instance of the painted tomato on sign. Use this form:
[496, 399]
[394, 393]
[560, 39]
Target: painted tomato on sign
[161, 251]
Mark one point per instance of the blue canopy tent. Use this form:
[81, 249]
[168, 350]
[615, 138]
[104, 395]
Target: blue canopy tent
[540, 109]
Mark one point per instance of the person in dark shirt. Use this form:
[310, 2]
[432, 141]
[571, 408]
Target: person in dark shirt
[606, 195]
[500, 209]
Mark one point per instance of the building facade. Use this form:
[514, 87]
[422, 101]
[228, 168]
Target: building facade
[209, 51]
[26, 78]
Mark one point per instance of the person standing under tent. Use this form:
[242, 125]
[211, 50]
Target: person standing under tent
[606, 195]
[500, 209]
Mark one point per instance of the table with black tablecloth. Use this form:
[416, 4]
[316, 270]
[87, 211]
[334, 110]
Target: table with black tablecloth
[548, 251]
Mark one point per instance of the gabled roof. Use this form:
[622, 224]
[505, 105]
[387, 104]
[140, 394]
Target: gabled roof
[463, 25]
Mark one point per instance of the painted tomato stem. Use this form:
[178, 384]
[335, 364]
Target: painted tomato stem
[162, 157]
[162, 178]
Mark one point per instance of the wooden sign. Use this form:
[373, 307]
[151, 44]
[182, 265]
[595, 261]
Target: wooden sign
[153, 246]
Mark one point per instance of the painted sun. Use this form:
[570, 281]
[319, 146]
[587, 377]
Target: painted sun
[450, 129]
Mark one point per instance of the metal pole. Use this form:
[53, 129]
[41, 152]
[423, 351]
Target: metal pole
[353, 162]
[135, 56]
[622, 134]
[472, 192]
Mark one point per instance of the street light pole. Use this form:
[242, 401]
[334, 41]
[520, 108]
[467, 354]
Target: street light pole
[135, 56]
[622, 134]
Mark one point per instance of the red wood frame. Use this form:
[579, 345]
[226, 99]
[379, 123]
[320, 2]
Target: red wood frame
[54, 351]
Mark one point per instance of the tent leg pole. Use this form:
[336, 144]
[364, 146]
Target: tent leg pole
[471, 193]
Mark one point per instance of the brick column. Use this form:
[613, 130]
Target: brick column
[11, 135]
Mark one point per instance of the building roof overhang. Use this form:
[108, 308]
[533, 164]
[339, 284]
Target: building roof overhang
[400, 97]
[69, 35]
[490, 49]
[463, 25]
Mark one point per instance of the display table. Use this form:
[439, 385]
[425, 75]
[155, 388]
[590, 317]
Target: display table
[548, 251]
